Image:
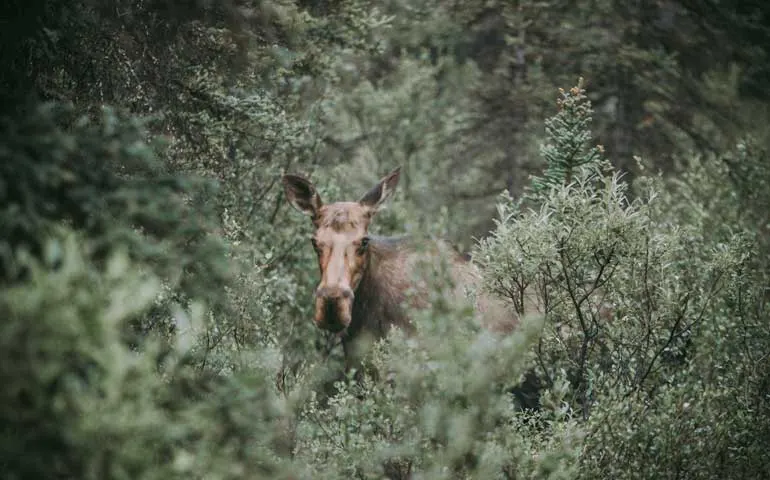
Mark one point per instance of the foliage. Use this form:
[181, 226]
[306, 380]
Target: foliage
[651, 347]
[642, 311]
[100, 177]
[78, 403]
[568, 134]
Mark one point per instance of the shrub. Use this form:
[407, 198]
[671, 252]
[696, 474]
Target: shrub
[642, 311]
[78, 403]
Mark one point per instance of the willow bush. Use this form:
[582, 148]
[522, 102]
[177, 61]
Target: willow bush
[80, 403]
[647, 309]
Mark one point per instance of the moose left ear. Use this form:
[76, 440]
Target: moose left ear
[302, 194]
[382, 191]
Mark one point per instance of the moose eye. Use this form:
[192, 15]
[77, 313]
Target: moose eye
[364, 244]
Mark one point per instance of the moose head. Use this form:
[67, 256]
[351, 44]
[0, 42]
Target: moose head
[341, 241]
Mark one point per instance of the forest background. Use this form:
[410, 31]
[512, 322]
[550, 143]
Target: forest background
[156, 284]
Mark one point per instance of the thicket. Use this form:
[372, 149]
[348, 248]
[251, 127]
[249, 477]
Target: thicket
[156, 288]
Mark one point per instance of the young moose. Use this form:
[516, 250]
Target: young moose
[365, 279]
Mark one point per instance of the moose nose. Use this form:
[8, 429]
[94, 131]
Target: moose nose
[334, 293]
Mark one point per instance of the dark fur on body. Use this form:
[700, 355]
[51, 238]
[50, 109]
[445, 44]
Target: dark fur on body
[378, 302]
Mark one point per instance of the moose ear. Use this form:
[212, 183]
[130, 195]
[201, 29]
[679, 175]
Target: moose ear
[380, 192]
[302, 194]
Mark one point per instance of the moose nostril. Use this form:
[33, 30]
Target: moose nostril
[334, 293]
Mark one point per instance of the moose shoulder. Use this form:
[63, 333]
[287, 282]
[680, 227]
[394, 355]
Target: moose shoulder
[365, 279]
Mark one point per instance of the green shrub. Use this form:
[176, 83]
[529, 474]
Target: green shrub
[78, 403]
[439, 409]
[101, 177]
[646, 310]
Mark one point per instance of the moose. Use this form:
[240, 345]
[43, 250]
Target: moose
[365, 279]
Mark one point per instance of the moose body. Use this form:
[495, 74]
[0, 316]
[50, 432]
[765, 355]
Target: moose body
[366, 281]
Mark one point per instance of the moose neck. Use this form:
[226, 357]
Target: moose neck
[377, 305]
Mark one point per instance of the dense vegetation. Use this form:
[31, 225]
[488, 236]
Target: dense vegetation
[155, 297]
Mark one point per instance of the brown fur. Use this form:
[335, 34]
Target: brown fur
[363, 289]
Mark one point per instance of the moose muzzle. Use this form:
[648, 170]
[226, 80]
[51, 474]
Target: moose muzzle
[333, 307]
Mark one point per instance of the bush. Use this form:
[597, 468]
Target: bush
[102, 178]
[78, 403]
[642, 311]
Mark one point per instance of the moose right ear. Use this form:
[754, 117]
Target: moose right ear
[302, 194]
[380, 192]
